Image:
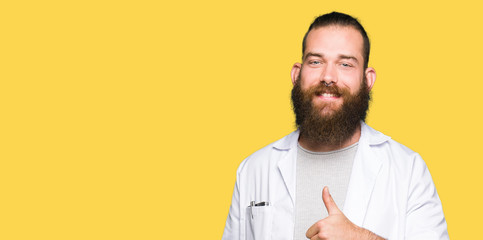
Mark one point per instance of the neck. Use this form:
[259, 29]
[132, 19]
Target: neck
[318, 147]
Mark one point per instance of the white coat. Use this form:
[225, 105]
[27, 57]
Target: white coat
[390, 193]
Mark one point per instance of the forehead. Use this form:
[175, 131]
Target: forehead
[335, 41]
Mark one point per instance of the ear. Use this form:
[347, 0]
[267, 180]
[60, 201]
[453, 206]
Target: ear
[370, 77]
[296, 68]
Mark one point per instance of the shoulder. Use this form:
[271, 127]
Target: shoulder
[391, 152]
[270, 154]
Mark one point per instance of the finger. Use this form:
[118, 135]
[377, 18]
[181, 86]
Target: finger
[312, 231]
[329, 202]
[315, 238]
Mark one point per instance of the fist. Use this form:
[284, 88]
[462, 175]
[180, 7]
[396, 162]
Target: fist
[336, 225]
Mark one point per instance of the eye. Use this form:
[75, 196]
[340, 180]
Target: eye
[346, 65]
[314, 62]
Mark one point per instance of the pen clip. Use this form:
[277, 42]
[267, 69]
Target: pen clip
[260, 204]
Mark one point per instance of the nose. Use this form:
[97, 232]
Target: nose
[329, 75]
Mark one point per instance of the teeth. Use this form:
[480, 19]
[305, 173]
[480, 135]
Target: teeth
[328, 95]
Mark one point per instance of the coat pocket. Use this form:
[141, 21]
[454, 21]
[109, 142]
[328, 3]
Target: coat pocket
[259, 221]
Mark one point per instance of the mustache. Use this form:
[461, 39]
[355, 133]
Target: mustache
[321, 88]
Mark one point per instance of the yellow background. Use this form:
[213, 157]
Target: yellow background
[128, 119]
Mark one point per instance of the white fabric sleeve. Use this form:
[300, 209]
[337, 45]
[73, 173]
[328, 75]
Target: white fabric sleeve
[232, 226]
[425, 217]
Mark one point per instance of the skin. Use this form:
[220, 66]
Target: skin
[336, 225]
[333, 55]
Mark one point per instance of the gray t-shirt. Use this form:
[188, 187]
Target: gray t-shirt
[314, 171]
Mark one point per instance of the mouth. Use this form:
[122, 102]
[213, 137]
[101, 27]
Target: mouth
[327, 95]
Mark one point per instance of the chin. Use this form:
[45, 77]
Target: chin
[328, 109]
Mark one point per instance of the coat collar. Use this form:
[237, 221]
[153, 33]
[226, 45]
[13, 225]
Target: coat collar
[364, 171]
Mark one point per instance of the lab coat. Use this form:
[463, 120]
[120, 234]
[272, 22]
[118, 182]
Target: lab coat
[390, 193]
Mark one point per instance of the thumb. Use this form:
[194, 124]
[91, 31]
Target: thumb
[329, 202]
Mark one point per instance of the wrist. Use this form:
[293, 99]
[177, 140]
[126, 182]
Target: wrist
[366, 234]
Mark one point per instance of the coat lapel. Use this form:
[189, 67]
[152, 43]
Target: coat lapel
[365, 169]
[287, 167]
[287, 163]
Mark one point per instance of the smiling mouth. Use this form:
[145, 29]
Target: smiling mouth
[328, 95]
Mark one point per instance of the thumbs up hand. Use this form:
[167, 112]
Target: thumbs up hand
[329, 203]
[336, 225]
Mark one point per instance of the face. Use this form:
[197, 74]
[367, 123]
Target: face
[331, 87]
[335, 128]
[333, 57]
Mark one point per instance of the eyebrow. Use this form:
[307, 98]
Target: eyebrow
[341, 56]
[348, 57]
[311, 54]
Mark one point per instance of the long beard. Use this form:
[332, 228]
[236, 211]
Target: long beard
[334, 127]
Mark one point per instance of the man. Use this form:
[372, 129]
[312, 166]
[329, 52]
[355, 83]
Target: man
[379, 189]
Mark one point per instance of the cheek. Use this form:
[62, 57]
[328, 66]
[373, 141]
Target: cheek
[309, 79]
[351, 82]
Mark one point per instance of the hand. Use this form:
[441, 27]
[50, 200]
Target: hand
[336, 225]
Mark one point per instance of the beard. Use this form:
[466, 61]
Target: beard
[323, 123]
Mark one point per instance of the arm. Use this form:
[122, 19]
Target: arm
[425, 217]
[232, 226]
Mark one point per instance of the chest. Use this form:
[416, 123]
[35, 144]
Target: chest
[381, 214]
